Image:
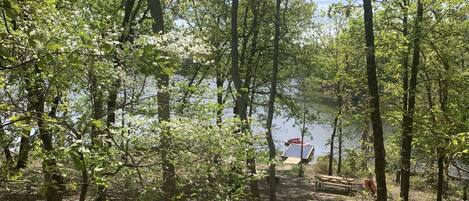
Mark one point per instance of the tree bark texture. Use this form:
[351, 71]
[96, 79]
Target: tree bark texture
[375, 116]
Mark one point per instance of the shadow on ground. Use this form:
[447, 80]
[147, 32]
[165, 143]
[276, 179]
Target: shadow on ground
[294, 188]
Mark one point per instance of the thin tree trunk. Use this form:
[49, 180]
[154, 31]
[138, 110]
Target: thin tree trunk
[164, 114]
[84, 178]
[405, 73]
[334, 132]
[251, 161]
[84, 173]
[464, 196]
[270, 114]
[441, 176]
[442, 158]
[365, 141]
[375, 116]
[440, 151]
[219, 82]
[339, 162]
[408, 120]
[303, 132]
[331, 152]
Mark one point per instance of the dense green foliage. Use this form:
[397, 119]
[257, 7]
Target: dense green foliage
[80, 93]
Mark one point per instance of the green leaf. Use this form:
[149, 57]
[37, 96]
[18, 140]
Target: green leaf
[77, 162]
[53, 46]
[168, 71]
[98, 123]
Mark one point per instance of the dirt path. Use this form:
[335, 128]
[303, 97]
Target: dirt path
[294, 188]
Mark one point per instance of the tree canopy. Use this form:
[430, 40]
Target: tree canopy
[180, 100]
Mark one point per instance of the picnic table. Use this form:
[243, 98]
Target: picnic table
[321, 180]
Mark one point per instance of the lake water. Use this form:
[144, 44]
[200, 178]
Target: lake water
[318, 135]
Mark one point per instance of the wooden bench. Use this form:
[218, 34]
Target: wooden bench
[347, 183]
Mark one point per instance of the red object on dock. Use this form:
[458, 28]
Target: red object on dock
[295, 141]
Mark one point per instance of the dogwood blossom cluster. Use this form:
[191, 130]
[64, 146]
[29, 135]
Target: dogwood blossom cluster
[179, 44]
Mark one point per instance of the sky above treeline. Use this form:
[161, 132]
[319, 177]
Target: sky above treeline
[324, 3]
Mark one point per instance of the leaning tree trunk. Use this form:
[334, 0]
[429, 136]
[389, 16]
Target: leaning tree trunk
[408, 120]
[375, 116]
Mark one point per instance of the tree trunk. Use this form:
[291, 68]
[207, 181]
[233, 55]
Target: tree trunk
[303, 132]
[408, 120]
[440, 151]
[163, 97]
[334, 132]
[245, 96]
[25, 144]
[405, 74]
[331, 152]
[441, 177]
[235, 75]
[380, 156]
[84, 179]
[97, 113]
[270, 114]
[23, 154]
[6, 148]
[464, 196]
[242, 95]
[53, 178]
[339, 162]
[365, 149]
[219, 82]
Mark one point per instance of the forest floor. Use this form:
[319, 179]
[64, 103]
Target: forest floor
[294, 188]
[290, 188]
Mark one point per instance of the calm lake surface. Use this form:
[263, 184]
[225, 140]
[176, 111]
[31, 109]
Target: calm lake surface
[319, 135]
